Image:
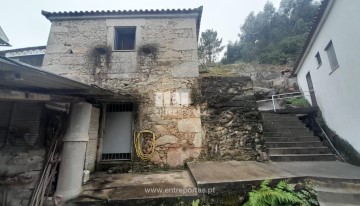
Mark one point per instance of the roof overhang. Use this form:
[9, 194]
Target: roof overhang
[127, 14]
[20, 77]
[4, 40]
[319, 21]
[27, 51]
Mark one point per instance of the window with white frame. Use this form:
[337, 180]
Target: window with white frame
[332, 56]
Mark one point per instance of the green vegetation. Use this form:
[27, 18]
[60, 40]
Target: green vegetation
[195, 202]
[283, 194]
[238, 69]
[210, 47]
[273, 36]
[267, 194]
[298, 102]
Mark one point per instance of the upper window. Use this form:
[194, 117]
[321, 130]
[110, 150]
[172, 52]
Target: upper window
[125, 38]
[332, 56]
[318, 59]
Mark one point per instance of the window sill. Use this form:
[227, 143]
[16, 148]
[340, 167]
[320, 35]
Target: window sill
[123, 50]
[334, 70]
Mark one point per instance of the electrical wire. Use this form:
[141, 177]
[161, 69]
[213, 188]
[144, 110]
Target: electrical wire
[138, 136]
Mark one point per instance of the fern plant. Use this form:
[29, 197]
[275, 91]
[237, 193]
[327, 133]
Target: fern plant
[283, 194]
[195, 202]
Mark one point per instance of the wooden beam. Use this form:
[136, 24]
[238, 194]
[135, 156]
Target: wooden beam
[17, 95]
[13, 95]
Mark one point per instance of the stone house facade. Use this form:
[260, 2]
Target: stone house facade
[148, 58]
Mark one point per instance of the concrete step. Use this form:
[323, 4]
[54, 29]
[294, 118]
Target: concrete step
[288, 134]
[279, 119]
[353, 184]
[291, 139]
[336, 204]
[340, 196]
[284, 126]
[299, 150]
[277, 115]
[287, 130]
[293, 144]
[301, 157]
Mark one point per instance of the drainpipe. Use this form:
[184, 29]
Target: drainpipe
[73, 153]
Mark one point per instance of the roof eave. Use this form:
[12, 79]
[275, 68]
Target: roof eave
[190, 13]
[314, 31]
[121, 16]
[92, 90]
[4, 40]
[2, 43]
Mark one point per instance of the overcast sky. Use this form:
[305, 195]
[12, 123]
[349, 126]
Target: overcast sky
[24, 25]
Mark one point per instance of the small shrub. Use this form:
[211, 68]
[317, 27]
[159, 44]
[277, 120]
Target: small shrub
[298, 102]
[282, 194]
[195, 202]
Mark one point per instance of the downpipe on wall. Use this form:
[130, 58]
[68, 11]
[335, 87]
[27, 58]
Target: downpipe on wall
[69, 184]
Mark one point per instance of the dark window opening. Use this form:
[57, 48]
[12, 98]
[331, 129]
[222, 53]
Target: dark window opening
[120, 107]
[332, 56]
[125, 38]
[318, 58]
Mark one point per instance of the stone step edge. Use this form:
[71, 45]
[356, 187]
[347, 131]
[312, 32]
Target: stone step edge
[270, 129]
[295, 126]
[296, 155]
[278, 148]
[291, 142]
[353, 191]
[323, 203]
[305, 129]
[290, 134]
[292, 120]
[290, 137]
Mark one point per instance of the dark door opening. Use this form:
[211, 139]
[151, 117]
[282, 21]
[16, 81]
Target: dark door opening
[311, 90]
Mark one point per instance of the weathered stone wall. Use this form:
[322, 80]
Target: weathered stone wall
[231, 119]
[267, 79]
[161, 82]
[20, 169]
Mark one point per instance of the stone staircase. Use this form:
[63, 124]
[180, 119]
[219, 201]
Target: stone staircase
[288, 139]
[338, 192]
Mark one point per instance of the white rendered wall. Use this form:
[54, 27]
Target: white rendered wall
[338, 93]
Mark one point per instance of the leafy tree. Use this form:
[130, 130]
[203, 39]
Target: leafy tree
[233, 53]
[273, 36]
[210, 46]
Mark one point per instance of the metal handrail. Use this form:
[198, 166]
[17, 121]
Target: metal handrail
[337, 152]
[302, 92]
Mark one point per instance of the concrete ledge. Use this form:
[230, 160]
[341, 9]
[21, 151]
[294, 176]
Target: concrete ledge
[233, 174]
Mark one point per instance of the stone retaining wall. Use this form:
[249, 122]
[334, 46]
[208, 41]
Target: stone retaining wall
[20, 169]
[231, 119]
